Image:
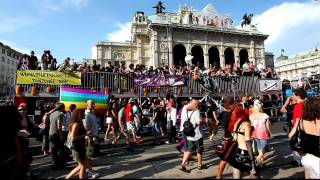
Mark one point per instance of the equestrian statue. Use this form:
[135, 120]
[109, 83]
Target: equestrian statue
[246, 19]
[159, 7]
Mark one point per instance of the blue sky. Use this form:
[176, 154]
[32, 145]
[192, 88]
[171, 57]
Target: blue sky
[71, 28]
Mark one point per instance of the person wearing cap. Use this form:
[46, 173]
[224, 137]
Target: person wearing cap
[130, 120]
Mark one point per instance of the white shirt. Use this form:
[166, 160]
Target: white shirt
[260, 67]
[183, 116]
[90, 122]
[195, 118]
[172, 115]
[66, 121]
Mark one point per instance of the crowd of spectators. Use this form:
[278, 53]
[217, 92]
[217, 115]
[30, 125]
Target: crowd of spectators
[48, 62]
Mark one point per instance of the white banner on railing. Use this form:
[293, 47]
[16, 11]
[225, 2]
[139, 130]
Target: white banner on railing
[270, 85]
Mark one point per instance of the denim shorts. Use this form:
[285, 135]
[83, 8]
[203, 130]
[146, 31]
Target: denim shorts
[197, 145]
[156, 129]
[261, 144]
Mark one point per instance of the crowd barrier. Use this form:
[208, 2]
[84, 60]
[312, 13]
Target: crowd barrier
[123, 85]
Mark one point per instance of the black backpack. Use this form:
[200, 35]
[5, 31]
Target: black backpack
[188, 128]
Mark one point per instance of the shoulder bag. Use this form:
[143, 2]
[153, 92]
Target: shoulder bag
[228, 147]
[296, 139]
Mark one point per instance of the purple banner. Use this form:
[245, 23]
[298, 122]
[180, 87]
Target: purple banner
[159, 80]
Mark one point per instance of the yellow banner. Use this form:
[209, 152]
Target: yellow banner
[48, 77]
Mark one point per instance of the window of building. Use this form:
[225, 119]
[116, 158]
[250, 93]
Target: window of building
[9, 53]
[3, 60]
[3, 51]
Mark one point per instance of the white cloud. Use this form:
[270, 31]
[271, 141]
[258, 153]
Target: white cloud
[293, 26]
[122, 34]
[93, 52]
[10, 23]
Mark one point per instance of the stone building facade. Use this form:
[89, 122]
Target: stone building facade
[205, 38]
[8, 66]
[303, 65]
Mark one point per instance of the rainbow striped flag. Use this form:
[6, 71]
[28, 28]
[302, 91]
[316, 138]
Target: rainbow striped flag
[79, 97]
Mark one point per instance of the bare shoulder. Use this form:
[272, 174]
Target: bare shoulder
[246, 125]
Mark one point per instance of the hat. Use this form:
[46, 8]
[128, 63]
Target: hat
[131, 100]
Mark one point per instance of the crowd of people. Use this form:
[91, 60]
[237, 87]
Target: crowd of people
[48, 62]
[76, 131]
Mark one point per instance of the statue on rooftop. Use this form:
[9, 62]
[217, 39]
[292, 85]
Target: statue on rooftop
[246, 19]
[159, 7]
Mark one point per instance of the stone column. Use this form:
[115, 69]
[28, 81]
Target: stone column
[236, 54]
[170, 48]
[263, 56]
[155, 50]
[206, 55]
[139, 51]
[222, 60]
[252, 53]
[99, 54]
[206, 60]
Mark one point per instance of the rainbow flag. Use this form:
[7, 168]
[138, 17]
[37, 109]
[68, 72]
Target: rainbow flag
[79, 97]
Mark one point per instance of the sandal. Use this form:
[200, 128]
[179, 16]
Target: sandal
[184, 169]
[200, 167]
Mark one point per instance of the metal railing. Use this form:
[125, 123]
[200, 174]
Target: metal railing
[123, 85]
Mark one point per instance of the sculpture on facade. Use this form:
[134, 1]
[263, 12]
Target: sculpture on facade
[159, 7]
[246, 19]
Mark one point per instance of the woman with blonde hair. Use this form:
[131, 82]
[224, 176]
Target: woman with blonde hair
[78, 133]
[261, 130]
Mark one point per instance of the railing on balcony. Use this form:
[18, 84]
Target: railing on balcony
[123, 85]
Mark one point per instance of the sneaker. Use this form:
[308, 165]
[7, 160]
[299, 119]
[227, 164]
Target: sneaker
[167, 142]
[184, 169]
[92, 174]
[95, 175]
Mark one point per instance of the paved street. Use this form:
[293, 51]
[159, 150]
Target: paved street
[150, 161]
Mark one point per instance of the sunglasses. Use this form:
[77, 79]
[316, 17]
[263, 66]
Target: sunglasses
[21, 110]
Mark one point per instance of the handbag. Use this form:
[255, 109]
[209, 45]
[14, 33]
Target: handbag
[228, 147]
[296, 139]
[188, 128]
[69, 142]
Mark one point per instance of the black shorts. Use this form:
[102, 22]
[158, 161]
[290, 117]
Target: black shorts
[198, 145]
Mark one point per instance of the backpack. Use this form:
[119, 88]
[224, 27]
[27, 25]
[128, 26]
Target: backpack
[188, 128]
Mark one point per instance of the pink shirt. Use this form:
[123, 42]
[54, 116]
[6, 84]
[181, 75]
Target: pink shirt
[260, 127]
